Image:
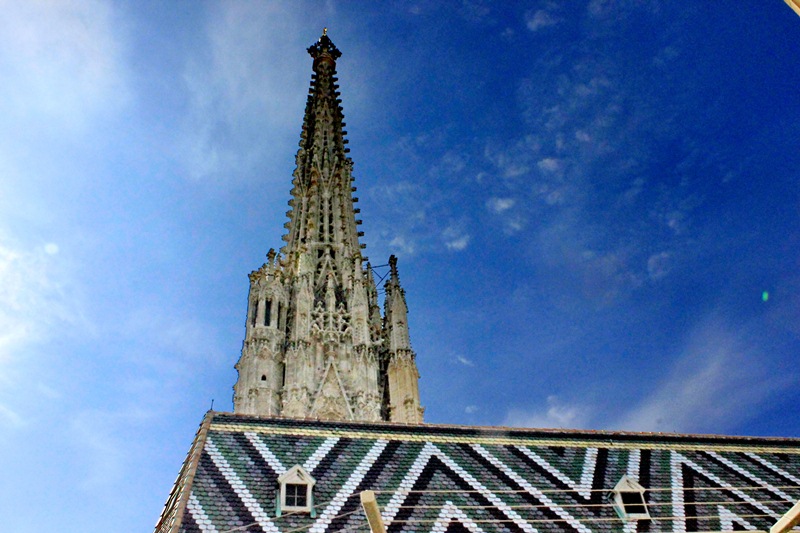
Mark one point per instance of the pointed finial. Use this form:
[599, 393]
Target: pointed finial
[393, 267]
[324, 47]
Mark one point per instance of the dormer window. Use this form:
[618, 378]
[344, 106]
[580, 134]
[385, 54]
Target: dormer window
[628, 500]
[296, 494]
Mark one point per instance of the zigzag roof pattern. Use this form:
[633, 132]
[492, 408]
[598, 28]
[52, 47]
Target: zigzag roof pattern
[457, 479]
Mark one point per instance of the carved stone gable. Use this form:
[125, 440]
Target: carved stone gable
[331, 400]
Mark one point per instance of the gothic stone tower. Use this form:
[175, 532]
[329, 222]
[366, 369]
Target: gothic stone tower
[315, 344]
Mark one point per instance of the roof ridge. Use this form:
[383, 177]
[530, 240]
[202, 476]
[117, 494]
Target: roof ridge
[588, 434]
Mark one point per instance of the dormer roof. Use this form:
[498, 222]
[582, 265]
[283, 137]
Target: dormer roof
[297, 474]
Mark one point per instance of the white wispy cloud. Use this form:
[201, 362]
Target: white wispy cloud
[549, 164]
[555, 414]
[542, 18]
[62, 62]
[39, 301]
[515, 159]
[567, 245]
[455, 238]
[716, 382]
[419, 214]
[512, 220]
[659, 265]
[245, 90]
[409, 208]
[36, 297]
[65, 78]
[499, 205]
[578, 172]
[475, 11]
[514, 224]
[403, 244]
[464, 361]
[9, 417]
[605, 9]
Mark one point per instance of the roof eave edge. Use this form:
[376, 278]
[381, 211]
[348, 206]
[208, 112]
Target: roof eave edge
[187, 473]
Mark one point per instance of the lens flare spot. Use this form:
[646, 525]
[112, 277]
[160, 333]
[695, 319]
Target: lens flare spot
[764, 296]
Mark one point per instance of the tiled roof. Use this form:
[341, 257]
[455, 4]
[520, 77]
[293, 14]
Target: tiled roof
[477, 479]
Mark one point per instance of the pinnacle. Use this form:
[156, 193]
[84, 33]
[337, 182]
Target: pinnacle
[394, 277]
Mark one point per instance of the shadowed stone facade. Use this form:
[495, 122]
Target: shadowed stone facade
[316, 345]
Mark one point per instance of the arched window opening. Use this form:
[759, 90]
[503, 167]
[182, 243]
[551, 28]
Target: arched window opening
[254, 313]
[267, 312]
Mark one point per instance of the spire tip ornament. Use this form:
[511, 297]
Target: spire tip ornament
[324, 48]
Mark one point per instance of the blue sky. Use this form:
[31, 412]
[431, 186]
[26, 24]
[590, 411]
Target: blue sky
[595, 207]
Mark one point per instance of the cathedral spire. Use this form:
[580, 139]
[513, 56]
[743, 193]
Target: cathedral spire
[315, 343]
[322, 218]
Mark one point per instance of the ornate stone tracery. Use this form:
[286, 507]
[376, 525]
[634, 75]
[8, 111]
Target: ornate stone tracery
[316, 344]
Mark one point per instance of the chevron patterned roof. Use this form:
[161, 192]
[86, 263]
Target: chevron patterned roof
[455, 479]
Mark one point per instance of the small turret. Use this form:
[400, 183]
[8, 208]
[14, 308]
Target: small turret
[396, 311]
[401, 369]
